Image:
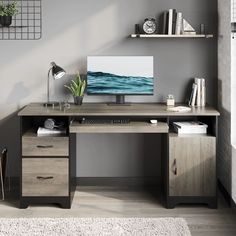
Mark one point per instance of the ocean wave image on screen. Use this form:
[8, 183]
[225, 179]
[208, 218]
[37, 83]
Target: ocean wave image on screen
[106, 83]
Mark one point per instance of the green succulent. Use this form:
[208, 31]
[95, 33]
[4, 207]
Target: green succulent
[9, 9]
[77, 86]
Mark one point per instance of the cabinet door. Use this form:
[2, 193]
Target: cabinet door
[192, 165]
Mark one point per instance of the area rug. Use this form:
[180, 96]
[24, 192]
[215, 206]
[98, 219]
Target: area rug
[94, 226]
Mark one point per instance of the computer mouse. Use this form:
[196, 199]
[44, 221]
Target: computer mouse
[153, 121]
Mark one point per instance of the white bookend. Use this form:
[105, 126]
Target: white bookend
[198, 82]
[187, 28]
[203, 93]
[170, 22]
[179, 22]
[193, 102]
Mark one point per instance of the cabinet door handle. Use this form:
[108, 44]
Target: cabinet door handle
[44, 146]
[44, 178]
[175, 171]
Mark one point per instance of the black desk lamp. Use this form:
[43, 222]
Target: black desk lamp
[57, 73]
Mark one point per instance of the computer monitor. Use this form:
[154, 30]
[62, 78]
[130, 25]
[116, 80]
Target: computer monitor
[120, 76]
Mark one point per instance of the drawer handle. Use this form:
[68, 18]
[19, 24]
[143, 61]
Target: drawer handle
[44, 146]
[44, 178]
[175, 167]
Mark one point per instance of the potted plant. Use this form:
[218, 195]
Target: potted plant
[7, 11]
[77, 88]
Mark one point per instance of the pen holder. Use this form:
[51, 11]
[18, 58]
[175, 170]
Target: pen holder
[170, 101]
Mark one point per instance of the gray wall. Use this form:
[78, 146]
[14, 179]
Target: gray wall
[75, 29]
[224, 62]
[233, 107]
[227, 98]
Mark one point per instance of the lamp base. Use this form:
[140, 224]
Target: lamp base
[51, 104]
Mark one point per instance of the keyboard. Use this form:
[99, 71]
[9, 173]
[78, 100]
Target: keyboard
[104, 121]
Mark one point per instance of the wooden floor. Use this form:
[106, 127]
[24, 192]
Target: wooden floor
[117, 202]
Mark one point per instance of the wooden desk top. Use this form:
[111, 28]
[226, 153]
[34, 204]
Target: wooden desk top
[101, 109]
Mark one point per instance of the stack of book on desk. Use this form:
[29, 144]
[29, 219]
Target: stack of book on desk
[190, 127]
[50, 132]
[198, 95]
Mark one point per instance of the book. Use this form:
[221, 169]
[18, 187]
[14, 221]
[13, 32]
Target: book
[190, 131]
[203, 92]
[190, 124]
[170, 21]
[137, 29]
[174, 18]
[198, 100]
[179, 20]
[198, 94]
[50, 132]
[165, 22]
[190, 127]
[192, 100]
[191, 97]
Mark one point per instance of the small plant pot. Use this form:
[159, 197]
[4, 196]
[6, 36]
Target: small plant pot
[78, 100]
[5, 21]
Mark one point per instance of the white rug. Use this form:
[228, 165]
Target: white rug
[94, 226]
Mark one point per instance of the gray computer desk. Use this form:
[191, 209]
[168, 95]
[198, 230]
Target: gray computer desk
[48, 164]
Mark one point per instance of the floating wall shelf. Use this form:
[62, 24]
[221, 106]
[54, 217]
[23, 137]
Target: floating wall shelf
[171, 36]
[27, 24]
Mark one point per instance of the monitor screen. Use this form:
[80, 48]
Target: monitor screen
[120, 75]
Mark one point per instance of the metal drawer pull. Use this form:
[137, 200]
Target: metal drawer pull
[44, 146]
[174, 167]
[44, 178]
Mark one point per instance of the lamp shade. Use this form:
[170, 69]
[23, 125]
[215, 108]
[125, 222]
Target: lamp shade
[57, 71]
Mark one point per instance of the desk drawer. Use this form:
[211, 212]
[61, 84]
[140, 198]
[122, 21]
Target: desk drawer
[45, 146]
[45, 177]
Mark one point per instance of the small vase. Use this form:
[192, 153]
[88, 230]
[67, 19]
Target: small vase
[78, 100]
[5, 21]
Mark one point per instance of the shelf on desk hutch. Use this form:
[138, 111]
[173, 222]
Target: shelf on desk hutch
[207, 36]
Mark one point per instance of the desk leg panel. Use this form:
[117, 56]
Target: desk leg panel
[72, 165]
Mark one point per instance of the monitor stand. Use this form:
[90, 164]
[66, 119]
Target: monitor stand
[120, 101]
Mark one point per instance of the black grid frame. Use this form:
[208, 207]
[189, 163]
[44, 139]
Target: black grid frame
[27, 24]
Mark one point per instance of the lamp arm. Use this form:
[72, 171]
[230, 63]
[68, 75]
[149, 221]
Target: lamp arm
[48, 85]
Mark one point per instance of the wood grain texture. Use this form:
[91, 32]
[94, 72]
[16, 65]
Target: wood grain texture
[192, 165]
[45, 146]
[34, 170]
[101, 109]
[208, 156]
[132, 127]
